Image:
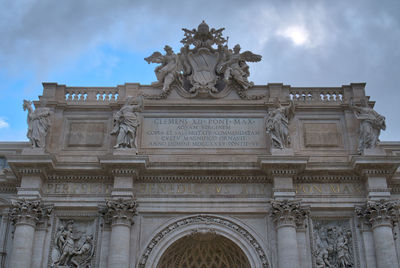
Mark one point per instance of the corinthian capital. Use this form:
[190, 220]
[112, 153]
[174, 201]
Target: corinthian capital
[120, 211]
[288, 212]
[378, 213]
[29, 212]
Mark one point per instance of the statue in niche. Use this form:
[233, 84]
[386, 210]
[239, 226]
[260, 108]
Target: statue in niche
[236, 68]
[67, 252]
[169, 69]
[205, 65]
[126, 122]
[278, 125]
[332, 246]
[38, 124]
[370, 126]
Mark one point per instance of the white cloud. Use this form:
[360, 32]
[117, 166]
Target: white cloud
[296, 33]
[3, 123]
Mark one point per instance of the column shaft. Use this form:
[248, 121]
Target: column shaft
[288, 256]
[119, 246]
[384, 247]
[21, 254]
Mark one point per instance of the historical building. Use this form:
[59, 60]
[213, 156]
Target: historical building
[201, 169]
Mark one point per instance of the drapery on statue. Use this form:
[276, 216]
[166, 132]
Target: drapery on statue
[126, 122]
[169, 69]
[278, 125]
[38, 124]
[370, 125]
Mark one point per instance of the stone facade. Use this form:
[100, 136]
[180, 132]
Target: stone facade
[201, 169]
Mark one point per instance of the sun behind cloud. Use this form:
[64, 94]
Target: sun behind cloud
[297, 34]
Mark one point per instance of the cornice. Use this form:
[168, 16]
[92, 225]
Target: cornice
[79, 178]
[327, 178]
[278, 165]
[375, 165]
[203, 179]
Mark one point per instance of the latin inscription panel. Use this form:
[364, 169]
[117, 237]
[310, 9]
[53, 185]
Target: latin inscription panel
[198, 132]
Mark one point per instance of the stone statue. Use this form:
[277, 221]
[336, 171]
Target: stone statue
[38, 124]
[67, 252]
[370, 125]
[126, 122]
[235, 67]
[205, 65]
[169, 69]
[278, 125]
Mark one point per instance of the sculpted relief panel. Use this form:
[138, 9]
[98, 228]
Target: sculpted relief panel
[73, 244]
[333, 244]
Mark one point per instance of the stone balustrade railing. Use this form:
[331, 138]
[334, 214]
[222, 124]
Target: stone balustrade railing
[300, 95]
[91, 94]
[316, 95]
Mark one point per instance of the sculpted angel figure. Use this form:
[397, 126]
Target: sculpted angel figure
[235, 66]
[370, 126]
[278, 125]
[38, 124]
[169, 69]
[126, 122]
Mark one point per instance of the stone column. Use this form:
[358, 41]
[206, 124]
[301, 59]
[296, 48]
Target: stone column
[120, 213]
[381, 214]
[25, 214]
[286, 213]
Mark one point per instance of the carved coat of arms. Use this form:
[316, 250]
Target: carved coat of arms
[205, 66]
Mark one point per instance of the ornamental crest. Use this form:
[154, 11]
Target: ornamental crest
[204, 67]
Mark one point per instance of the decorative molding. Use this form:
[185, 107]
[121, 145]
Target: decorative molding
[283, 190]
[29, 212]
[380, 190]
[203, 179]
[125, 171]
[204, 219]
[289, 213]
[327, 178]
[378, 213]
[377, 171]
[9, 188]
[78, 178]
[30, 171]
[119, 211]
[283, 172]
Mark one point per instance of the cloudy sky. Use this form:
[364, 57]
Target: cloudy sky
[103, 43]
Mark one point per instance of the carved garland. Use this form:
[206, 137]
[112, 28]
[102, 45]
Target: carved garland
[209, 220]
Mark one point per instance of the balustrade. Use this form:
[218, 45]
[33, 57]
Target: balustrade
[316, 95]
[91, 94]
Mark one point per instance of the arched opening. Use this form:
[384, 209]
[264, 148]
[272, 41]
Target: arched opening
[203, 250]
